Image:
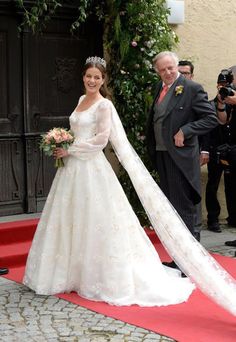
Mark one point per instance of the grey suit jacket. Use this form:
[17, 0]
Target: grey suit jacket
[191, 112]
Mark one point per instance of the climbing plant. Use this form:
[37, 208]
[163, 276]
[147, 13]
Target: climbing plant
[136, 32]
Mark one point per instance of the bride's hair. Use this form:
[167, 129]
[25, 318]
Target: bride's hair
[103, 90]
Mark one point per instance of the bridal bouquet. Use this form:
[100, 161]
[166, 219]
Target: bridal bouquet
[56, 137]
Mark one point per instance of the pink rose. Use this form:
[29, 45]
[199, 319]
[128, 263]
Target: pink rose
[134, 43]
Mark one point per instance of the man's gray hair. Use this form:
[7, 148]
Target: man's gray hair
[164, 54]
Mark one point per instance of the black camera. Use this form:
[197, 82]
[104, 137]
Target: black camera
[226, 156]
[225, 91]
[226, 77]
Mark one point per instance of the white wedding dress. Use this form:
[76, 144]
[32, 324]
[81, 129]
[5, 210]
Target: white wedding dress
[89, 240]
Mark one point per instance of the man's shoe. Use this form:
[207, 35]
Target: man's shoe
[231, 224]
[197, 236]
[3, 271]
[231, 243]
[214, 227]
[172, 264]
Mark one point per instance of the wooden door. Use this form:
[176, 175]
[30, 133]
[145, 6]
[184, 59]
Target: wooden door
[40, 83]
[12, 173]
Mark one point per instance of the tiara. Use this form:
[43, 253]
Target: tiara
[95, 60]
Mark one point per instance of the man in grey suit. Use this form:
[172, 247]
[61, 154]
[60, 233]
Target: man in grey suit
[172, 136]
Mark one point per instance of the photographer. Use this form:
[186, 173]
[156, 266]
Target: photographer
[221, 141]
[233, 84]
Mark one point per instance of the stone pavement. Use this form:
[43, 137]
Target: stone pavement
[26, 317]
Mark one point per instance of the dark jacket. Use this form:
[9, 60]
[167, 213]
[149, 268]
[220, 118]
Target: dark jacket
[191, 112]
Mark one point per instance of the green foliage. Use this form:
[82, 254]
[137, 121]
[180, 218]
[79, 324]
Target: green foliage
[138, 30]
[134, 32]
[39, 13]
[82, 14]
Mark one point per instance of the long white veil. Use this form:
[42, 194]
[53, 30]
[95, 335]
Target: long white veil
[186, 251]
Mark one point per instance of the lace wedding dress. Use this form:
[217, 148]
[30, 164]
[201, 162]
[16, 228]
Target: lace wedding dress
[89, 240]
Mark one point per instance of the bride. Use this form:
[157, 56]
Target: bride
[90, 241]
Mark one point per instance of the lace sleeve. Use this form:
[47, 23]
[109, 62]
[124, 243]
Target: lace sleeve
[99, 141]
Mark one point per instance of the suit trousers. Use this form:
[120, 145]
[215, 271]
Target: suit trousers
[215, 171]
[178, 190]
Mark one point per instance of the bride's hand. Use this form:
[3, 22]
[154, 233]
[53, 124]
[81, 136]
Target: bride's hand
[60, 153]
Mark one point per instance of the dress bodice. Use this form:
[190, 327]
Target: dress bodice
[91, 129]
[83, 124]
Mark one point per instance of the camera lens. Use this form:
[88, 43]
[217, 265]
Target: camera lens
[225, 91]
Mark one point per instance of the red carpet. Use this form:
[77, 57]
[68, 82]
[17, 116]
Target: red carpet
[198, 320]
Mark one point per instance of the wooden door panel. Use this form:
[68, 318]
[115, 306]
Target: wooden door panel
[12, 176]
[12, 182]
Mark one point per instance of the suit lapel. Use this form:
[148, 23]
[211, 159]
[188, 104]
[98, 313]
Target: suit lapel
[158, 90]
[175, 98]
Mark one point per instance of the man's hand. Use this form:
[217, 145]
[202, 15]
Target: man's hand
[231, 99]
[179, 138]
[204, 158]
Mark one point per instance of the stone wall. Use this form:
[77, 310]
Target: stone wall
[208, 38]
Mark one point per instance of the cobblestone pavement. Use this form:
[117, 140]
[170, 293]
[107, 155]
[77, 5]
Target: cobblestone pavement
[26, 317]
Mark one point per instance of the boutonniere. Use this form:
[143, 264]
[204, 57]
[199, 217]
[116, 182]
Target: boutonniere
[179, 90]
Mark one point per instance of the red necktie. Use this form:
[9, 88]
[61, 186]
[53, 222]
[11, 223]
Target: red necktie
[163, 92]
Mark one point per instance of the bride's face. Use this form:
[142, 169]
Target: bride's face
[93, 80]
